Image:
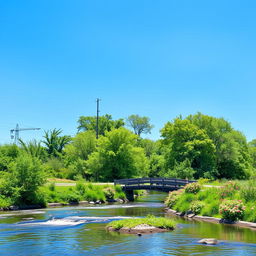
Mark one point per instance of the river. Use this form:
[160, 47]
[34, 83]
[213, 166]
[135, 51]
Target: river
[80, 230]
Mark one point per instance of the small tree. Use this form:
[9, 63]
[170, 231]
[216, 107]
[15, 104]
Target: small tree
[106, 124]
[54, 142]
[117, 157]
[26, 176]
[140, 124]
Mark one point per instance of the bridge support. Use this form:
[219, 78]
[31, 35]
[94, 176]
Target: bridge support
[129, 195]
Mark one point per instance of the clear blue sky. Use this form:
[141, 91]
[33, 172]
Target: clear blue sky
[152, 58]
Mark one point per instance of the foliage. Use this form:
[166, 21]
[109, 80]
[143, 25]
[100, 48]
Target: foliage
[182, 170]
[248, 191]
[252, 152]
[150, 147]
[150, 220]
[232, 210]
[5, 203]
[173, 198]
[213, 147]
[139, 124]
[23, 182]
[106, 124]
[34, 149]
[8, 154]
[196, 207]
[156, 166]
[229, 189]
[185, 141]
[117, 157]
[109, 193]
[193, 188]
[81, 146]
[54, 142]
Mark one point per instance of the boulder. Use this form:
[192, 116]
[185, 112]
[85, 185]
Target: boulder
[210, 241]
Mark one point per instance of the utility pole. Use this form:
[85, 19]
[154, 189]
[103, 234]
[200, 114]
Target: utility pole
[17, 130]
[97, 120]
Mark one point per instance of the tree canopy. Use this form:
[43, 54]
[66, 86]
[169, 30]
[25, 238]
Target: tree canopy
[139, 124]
[106, 123]
[117, 157]
[213, 147]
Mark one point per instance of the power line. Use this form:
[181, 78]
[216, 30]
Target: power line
[97, 119]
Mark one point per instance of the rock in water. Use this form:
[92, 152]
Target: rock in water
[210, 241]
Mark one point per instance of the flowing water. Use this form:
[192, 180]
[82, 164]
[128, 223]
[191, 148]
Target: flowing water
[81, 231]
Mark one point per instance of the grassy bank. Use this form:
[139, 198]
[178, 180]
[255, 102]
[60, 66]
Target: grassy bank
[158, 222]
[234, 200]
[69, 194]
[82, 192]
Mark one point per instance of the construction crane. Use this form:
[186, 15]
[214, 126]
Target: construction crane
[16, 132]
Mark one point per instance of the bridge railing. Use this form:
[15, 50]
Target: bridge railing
[152, 183]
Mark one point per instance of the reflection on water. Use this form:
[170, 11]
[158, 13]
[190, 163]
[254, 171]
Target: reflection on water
[81, 231]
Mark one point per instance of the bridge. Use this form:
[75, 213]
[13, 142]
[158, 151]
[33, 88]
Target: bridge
[158, 184]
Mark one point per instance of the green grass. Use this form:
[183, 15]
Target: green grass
[150, 220]
[80, 192]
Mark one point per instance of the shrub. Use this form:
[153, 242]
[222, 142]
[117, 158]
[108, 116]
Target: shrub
[203, 181]
[193, 188]
[5, 203]
[80, 187]
[173, 198]
[229, 189]
[248, 192]
[196, 207]
[51, 186]
[73, 198]
[232, 210]
[118, 188]
[109, 193]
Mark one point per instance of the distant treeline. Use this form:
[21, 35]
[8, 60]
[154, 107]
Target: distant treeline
[192, 147]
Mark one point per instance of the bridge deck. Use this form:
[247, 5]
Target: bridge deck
[162, 184]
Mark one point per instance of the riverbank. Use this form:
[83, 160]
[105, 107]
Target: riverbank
[243, 224]
[80, 193]
[51, 195]
[232, 203]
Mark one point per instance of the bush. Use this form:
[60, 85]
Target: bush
[80, 187]
[173, 198]
[5, 203]
[203, 181]
[109, 193]
[248, 192]
[51, 186]
[232, 210]
[193, 188]
[196, 207]
[229, 189]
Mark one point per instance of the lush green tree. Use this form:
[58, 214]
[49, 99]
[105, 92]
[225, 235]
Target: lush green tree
[157, 165]
[139, 124]
[232, 152]
[54, 142]
[181, 170]
[77, 153]
[106, 124]
[117, 157]
[148, 145]
[34, 149]
[81, 146]
[252, 151]
[8, 154]
[186, 141]
[23, 182]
